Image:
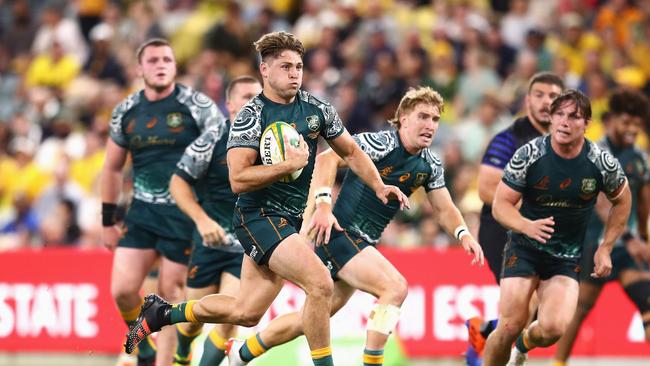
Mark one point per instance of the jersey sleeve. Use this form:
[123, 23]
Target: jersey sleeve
[377, 145]
[206, 113]
[116, 126]
[437, 178]
[514, 174]
[195, 161]
[500, 150]
[246, 130]
[612, 173]
[333, 124]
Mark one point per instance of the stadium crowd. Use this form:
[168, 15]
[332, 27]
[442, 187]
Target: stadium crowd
[65, 65]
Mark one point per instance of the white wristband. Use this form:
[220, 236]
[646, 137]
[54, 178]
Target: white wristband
[323, 195]
[460, 232]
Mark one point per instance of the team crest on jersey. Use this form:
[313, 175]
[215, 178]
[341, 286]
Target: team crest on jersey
[588, 185]
[420, 178]
[313, 122]
[174, 120]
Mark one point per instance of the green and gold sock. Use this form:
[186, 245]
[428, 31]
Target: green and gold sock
[373, 357]
[183, 313]
[185, 341]
[523, 343]
[253, 347]
[214, 349]
[322, 357]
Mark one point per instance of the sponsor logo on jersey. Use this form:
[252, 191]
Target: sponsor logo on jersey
[542, 184]
[588, 185]
[130, 126]
[193, 272]
[404, 177]
[512, 260]
[565, 183]
[313, 122]
[152, 122]
[253, 253]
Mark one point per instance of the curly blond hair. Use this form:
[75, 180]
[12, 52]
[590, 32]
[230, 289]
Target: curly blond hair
[415, 96]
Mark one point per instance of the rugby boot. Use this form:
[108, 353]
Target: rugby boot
[517, 358]
[155, 313]
[232, 351]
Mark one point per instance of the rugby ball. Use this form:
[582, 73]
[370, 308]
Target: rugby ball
[272, 145]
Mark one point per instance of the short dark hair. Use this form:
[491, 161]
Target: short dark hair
[273, 44]
[245, 79]
[545, 77]
[582, 102]
[630, 101]
[152, 42]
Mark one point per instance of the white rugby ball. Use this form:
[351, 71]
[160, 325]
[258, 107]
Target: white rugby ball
[272, 146]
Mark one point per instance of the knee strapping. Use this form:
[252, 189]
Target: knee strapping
[383, 318]
[639, 293]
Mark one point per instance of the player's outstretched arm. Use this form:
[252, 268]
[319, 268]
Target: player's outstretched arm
[318, 218]
[111, 187]
[614, 226]
[504, 210]
[211, 232]
[362, 166]
[245, 176]
[453, 223]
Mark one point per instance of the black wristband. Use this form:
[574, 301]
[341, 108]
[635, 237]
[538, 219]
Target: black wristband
[108, 214]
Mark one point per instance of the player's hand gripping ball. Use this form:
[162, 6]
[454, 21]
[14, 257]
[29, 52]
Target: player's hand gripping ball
[272, 145]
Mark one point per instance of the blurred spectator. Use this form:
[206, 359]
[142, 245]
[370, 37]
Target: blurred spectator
[102, 64]
[476, 79]
[9, 87]
[89, 13]
[54, 69]
[618, 16]
[535, 42]
[573, 42]
[516, 23]
[56, 28]
[61, 189]
[354, 113]
[60, 228]
[505, 54]
[431, 234]
[477, 130]
[515, 86]
[19, 33]
[19, 231]
[230, 38]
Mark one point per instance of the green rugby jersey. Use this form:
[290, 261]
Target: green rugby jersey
[156, 134]
[634, 163]
[563, 188]
[204, 166]
[357, 207]
[311, 117]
